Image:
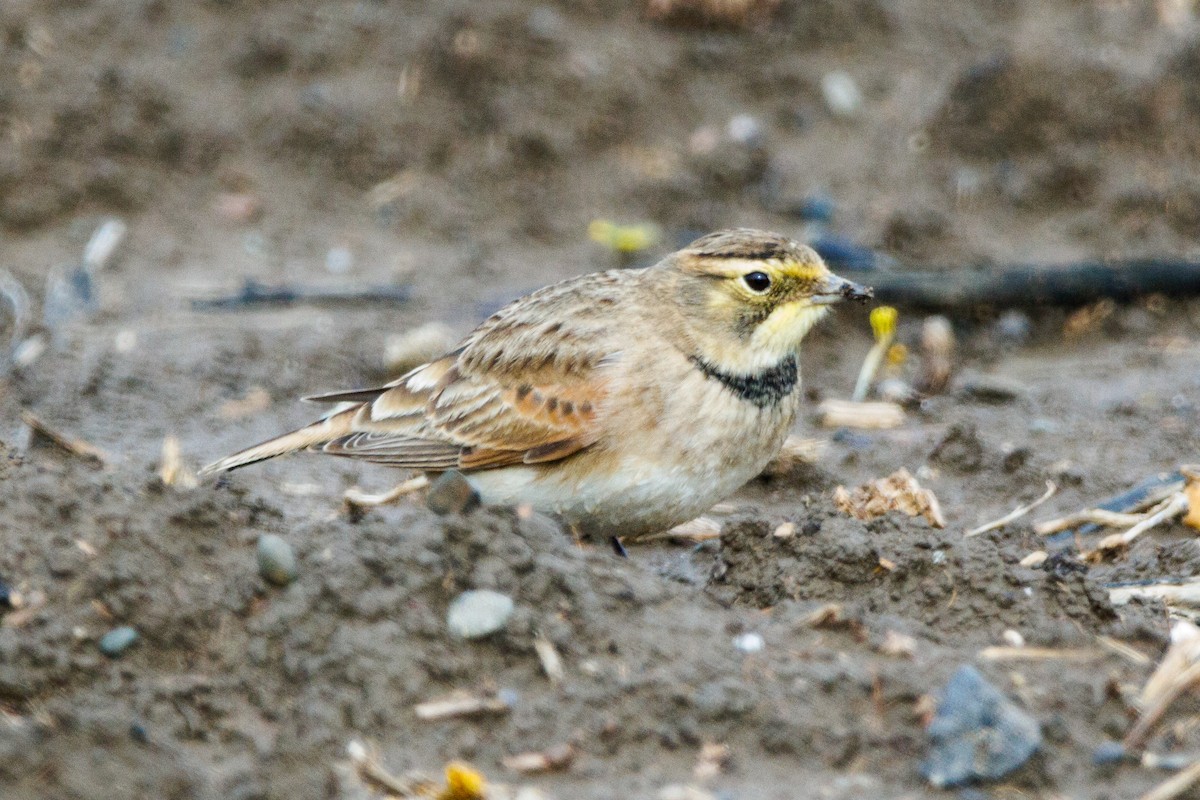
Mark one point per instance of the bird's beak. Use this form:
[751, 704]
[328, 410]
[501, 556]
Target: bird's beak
[833, 289]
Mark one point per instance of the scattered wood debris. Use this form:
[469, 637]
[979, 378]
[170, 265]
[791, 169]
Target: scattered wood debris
[877, 415]
[40, 431]
[1016, 513]
[461, 704]
[551, 662]
[897, 492]
[1006, 653]
[1176, 785]
[552, 759]
[1120, 511]
[700, 529]
[1177, 673]
[1034, 559]
[1167, 510]
[898, 645]
[365, 761]
[1173, 594]
[713, 760]
[172, 470]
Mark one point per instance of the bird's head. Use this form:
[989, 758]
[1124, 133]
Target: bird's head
[750, 296]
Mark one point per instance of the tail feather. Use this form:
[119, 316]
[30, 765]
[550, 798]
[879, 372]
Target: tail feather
[331, 427]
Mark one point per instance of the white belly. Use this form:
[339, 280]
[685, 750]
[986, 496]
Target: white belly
[663, 478]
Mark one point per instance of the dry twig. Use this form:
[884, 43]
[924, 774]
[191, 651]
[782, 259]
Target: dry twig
[1176, 785]
[1016, 513]
[460, 704]
[1168, 509]
[76, 447]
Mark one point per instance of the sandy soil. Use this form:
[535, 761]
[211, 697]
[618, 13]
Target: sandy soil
[462, 148]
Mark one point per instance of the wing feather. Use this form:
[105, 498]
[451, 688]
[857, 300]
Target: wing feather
[520, 389]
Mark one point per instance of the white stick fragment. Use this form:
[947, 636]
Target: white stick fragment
[1172, 507]
[460, 704]
[357, 497]
[1175, 785]
[869, 416]
[551, 662]
[1001, 653]
[1181, 594]
[1016, 513]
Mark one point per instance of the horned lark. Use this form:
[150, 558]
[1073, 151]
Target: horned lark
[624, 402]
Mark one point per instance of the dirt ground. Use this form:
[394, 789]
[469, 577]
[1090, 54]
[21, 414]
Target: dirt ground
[461, 149]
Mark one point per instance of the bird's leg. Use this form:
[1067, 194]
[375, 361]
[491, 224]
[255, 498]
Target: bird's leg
[357, 499]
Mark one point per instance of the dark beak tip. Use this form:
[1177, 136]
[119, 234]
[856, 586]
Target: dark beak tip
[852, 291]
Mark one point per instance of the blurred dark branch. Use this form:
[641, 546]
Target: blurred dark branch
[1032, 285]
[254, 293]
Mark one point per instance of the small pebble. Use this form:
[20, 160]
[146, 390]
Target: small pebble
[451, 493]
[749, 643]
[276, 559]
[114, 643]
[478, 613]
[842, 96]
[745, 130]
[1109, 753]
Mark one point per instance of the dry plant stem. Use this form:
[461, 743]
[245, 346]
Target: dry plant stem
[869, 368]
[1109, 519]
[76, 447]
[459, 705]
[869, 416]
[1016, 513]
[1123, 650]
[1095, 516]
[1169, 509]
[700, 529]
[357, 497]
[1184, 594]
[551, 662]
[1150, 718]
[1176, 784]
[372, 771]
[1037, 654]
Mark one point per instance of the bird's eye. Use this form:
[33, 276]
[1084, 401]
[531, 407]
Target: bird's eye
[757, 282]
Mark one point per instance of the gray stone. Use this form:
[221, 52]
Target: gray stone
[276, 560]
[978, 733]
[114, 643]
[479, 613]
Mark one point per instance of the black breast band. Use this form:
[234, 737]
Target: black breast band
[763, 389]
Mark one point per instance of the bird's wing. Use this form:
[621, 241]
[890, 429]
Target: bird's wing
[527, 386]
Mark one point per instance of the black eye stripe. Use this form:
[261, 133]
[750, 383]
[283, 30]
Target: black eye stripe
[757, 281]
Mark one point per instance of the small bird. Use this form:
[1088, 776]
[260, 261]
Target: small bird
[624, 402]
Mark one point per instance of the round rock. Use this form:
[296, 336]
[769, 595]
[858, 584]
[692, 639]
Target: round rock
[479, 613]
[114, 643]
[276, 559]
